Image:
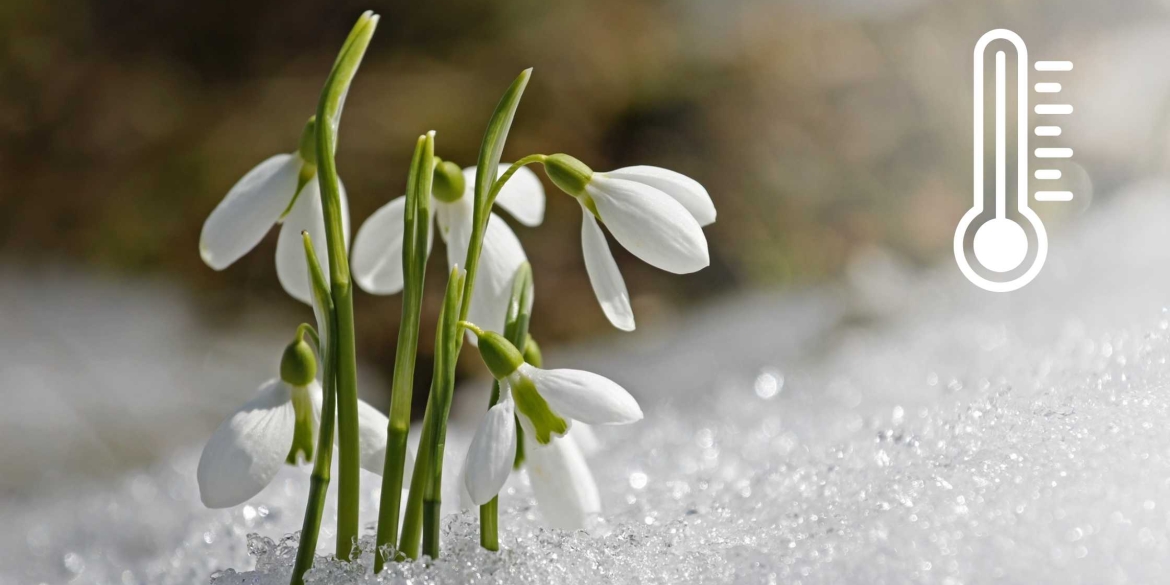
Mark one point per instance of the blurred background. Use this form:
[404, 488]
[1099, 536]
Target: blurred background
[833, 136]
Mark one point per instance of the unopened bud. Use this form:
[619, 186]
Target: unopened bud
[308, 147]
[499, 355]
[449, 184]
[298, 365]
[568, 173]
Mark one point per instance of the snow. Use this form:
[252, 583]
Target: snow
[904, 428]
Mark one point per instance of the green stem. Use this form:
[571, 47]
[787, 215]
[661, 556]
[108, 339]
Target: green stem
[475, 245]
[329, 117]
[414, 260]
[319, 481]
[305, 329]
[444, 385]
[516, 321]
[424, 500]
[412, 520]
[428, 467]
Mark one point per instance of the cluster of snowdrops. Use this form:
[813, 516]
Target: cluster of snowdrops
[298, 417]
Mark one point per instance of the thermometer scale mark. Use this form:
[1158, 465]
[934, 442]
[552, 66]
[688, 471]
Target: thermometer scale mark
[1000, 244]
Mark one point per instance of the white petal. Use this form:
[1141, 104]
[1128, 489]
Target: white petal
[316, 396]
[607, 281]
[251, 208]
[650, 224]
[584, 396]
[682, 188]
[246, 451]
[454, 225]
[522, 196]
[586, 439]
[492, 452]
[465, 501]
[377, 251]
[292, 269]
[499, 260]
[565, 491]
[372, 426]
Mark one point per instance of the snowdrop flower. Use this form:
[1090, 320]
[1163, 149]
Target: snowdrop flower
[565, 491]
[282, 189]
[546, 402]
[562, 483]
[377, 251]
[655, 213]
[279, 425]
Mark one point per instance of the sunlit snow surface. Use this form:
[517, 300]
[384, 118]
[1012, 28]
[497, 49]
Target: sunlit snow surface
[958, 437]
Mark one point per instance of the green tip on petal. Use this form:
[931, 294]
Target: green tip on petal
[534, 407]
[303, 445]
[499, 355]
[298, 365]
[568, 173]
[449, 183]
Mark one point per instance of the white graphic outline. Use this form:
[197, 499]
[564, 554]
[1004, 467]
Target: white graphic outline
[1022, 152]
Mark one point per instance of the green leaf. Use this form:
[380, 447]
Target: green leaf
[493, 141]
[519, 306]
[414, 259]
[328, 119]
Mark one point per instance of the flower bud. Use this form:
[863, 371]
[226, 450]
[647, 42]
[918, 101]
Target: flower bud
[499, 355]
[298, 365]
[532, 353]
[308, 147]
[448, 184]
[568, 173]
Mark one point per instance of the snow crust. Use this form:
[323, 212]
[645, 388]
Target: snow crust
[906, 428]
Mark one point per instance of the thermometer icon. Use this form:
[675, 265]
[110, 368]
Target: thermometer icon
[1000, 243]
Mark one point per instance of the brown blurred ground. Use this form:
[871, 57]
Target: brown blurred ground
[819, 128]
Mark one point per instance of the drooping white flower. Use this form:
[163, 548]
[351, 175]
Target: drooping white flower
[562, 483]
[656, 214]
[377, 250]
[283, 189]
[278, 425]
[565, 491]
[546, 402]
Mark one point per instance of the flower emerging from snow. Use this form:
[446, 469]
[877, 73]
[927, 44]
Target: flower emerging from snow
[546, 402]
[282, 189]
[377, 250]
[656, 214]
[279, 425]
[565, 491]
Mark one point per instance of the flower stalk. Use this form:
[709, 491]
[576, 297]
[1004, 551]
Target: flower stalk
[427, 470]
[345, 358]
[414, 260]
[319, 480]
[486, 184]
[446, 346]
[515, 330]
